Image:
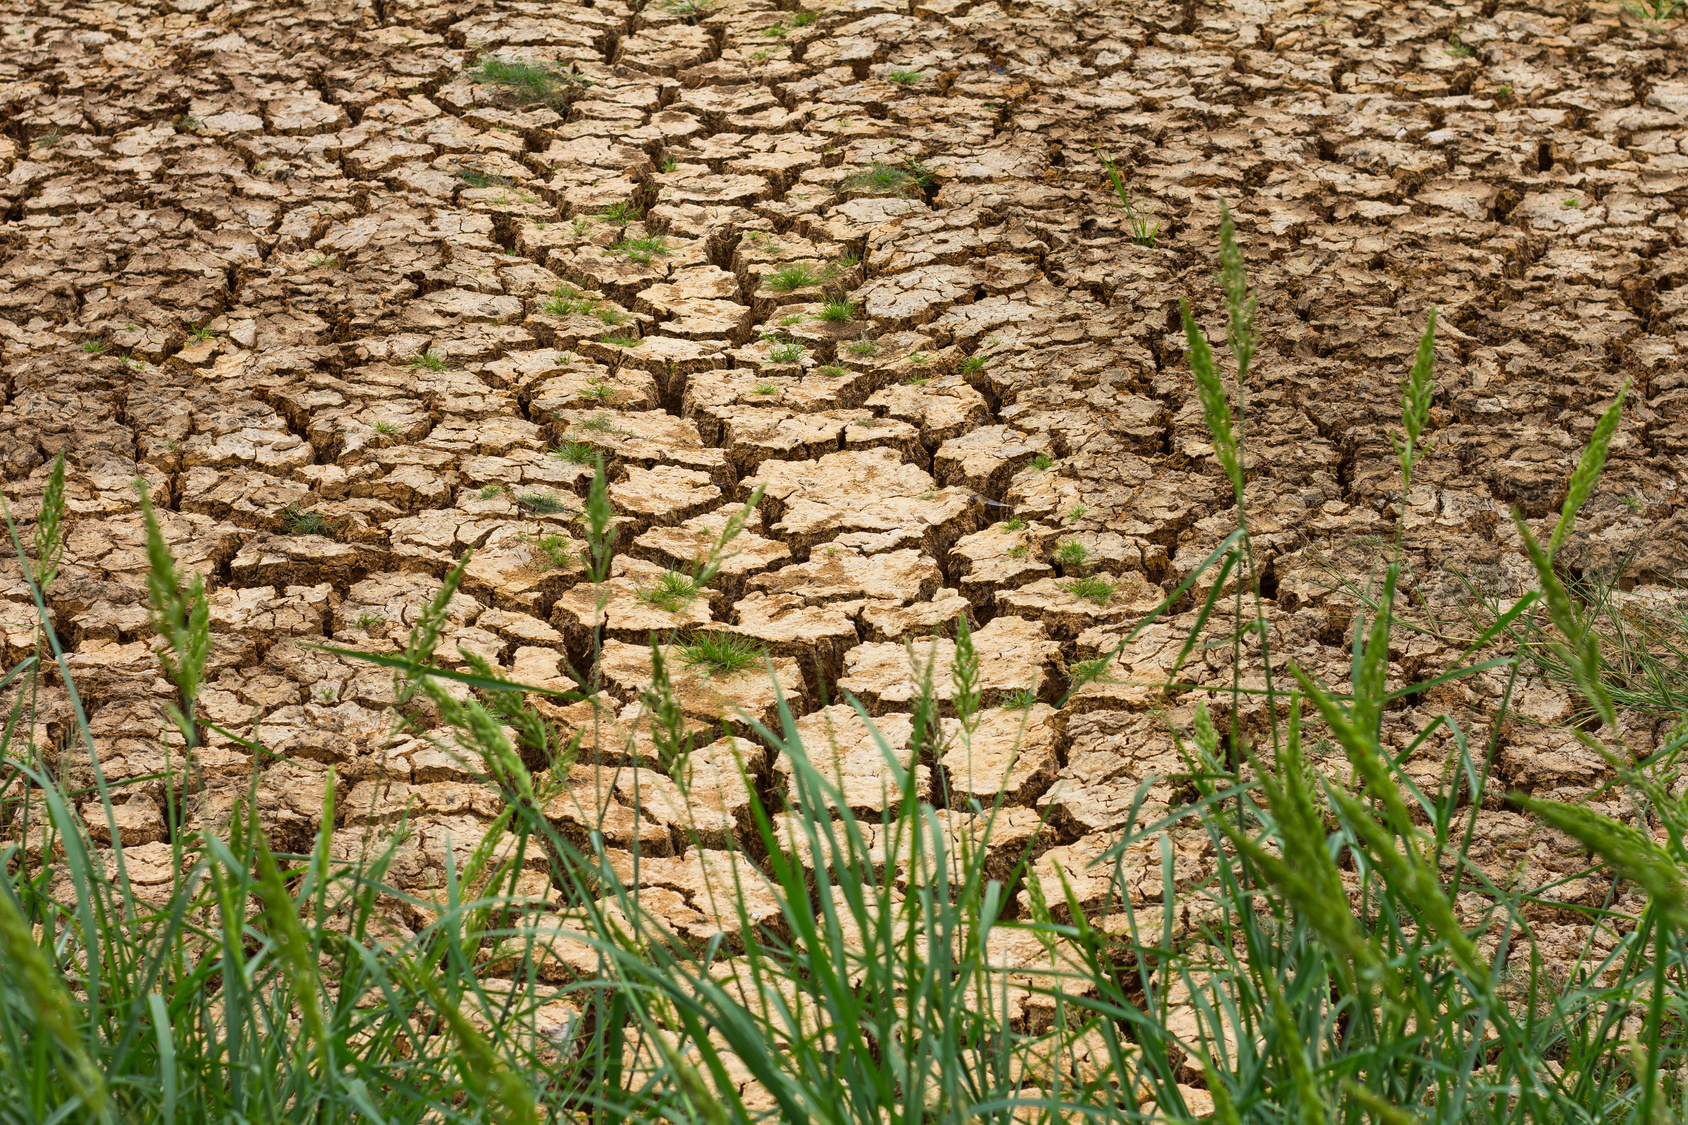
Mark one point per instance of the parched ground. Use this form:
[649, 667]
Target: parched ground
[326, 190]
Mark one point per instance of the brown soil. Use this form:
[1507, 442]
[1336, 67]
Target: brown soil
[326, 189]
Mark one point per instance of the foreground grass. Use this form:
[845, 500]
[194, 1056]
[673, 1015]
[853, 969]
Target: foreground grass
[1330, 967]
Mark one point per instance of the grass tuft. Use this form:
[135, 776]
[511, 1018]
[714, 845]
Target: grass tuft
[527, 82]
[721, 653]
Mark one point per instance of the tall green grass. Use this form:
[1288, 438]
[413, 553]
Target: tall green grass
[1340, 959]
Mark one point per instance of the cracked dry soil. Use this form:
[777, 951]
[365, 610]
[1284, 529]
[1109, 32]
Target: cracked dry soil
[326, 188]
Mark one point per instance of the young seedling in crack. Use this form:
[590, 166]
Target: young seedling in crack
[837, 310]
[1142, 228]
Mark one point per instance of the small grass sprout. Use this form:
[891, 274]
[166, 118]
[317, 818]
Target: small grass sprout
[905, 77]
[971, 364]
[862, 346]
[1142, 228]
[1043, 462]
[323, 261]
[1013, 523]
[624, 212]
[623, 340]
[789, 352]
[1023, 700]
[832, 371]
[431, 360]
[95, 347]
[383, 426]
[765, 388]
[804, 19]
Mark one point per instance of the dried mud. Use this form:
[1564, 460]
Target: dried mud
[326, 189]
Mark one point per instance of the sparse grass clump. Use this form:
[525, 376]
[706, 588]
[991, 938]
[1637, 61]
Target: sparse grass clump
[910, 178]
[862, 346]
[95, 347]
[837, 310]
[556, 549]
[804, 19]
[1073, 557]
[323, 261]
[1023, 700]
[576, 452]
[1093, 588]
[788, 352]
[691, 11]
[672, 593]
[905, 77]
[543, 503]
[623, 340]
[431, 360]
[1043, 462]
[832, 371]
[309, 521]
[971, 364]
[766, 387]
[721, 653]
[566, 300]
[527, 82]
[643, 249]
[1653, 10]
[476, 178]
[798, 275]
[624, 212]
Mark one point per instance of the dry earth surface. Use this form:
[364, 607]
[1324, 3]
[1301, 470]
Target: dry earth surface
[328, 191]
